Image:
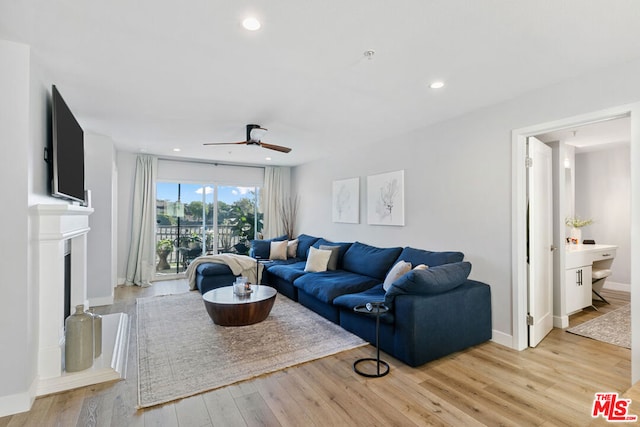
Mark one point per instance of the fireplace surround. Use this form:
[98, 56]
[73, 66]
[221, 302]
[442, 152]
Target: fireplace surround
[58, 226]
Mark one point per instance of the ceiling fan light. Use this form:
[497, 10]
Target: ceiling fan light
[257, 134]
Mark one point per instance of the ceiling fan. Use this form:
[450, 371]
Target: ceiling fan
[254, 137]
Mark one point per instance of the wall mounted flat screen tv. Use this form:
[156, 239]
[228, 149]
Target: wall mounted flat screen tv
[67, 152]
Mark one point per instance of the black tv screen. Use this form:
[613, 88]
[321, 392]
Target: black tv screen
[67, 162]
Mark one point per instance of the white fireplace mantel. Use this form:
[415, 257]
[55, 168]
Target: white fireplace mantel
[61, 221]
[55, 224]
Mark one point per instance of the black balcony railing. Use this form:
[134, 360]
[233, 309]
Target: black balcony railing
[189, 244]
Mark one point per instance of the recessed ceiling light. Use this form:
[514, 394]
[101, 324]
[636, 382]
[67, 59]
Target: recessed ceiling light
[267, 158]
[251, 24]
[436, 85]
[176, 149]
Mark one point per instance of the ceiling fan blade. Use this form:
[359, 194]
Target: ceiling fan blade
[275, 147]
[224, 143]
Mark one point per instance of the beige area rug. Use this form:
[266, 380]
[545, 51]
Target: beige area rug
[181, 352]
[613, 327]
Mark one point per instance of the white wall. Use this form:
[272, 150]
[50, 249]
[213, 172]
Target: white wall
[458, 181]
[100, 163]
[603, 193]
[209, 173]
[457, 196]
[25, 85]
[23, 178]
[17, 322]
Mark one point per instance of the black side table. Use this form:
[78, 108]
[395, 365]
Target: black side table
[373, 308]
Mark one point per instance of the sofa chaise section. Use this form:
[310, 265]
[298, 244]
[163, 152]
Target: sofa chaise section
[211, 276]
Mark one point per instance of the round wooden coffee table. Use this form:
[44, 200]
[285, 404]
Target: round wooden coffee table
[228, 309]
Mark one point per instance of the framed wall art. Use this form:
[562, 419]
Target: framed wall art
[346, 201]
[385, 198]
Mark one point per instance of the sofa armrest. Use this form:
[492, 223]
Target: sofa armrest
[428, 327]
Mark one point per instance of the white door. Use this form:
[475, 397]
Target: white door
[540, 237]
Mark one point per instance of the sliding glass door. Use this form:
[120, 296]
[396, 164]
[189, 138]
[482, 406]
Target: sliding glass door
[201, 219]
[238, 218]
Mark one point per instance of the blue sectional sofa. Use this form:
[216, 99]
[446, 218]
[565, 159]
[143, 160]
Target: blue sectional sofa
[432, 312]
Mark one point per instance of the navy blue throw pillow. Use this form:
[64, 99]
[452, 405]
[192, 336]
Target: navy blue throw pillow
[420, 256]
[434, 280]
[370, 260]
[260, 248]
[304, 243]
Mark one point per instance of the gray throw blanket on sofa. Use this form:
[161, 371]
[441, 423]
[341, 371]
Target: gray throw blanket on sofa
[239, 264]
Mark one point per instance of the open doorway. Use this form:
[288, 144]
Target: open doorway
[597, 180]
[592, 187]
[519, 265]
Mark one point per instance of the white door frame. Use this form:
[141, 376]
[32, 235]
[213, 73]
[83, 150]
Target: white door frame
[518, 220]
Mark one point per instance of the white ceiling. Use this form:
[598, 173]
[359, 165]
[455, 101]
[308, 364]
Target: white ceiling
[594, 136]
[156, 75]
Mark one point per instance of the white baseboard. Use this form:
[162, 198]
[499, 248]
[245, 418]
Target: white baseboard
[615, 286]
[502, 338]
[558, 322]
[561, 321]
[20, 402]
[96, 302]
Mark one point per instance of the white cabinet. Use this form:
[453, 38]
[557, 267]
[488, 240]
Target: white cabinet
[579, 263]
[578, 288]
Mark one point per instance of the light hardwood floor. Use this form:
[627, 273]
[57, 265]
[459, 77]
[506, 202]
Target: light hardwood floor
[553, 384]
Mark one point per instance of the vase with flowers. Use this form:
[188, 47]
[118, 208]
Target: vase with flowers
[576, 224]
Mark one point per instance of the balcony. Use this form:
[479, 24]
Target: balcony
[188, 246]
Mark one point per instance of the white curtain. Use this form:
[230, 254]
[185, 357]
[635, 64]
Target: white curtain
[275, 192]
[142, 251]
